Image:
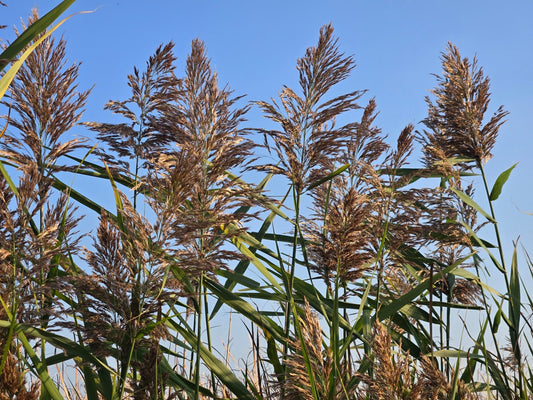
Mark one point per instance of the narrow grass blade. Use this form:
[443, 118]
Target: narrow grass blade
[514, 307]
[463, 273]
[80, 198]
[47, 383]
[226, 376]
[329, 177]
[468, 200]
[245, 309]
[33, 30]
[255, 261]
[500, 181]
[6, 80]
[388, 310]
[474, 237]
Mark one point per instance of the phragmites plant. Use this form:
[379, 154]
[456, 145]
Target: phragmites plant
[397, 376]
[308, 139]
[201, 201]
[360, 301]
[38, 226]
[456, 119]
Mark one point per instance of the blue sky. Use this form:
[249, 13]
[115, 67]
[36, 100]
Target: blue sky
[254, 46]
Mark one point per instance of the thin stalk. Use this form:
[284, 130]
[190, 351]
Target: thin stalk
[379, 263]
[334, 337]
[486, 307]
[431, 309]
[448, 332]
[198, 337]
[503, 265]
[292, 271]
[208, 332]
[139, 144]
[305, 353]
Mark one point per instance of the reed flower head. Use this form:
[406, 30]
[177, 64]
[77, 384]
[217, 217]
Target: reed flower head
[13, 385]
[152, 91]
[308, 138]
[397, 376]
[340, 246]
[39, 228]
[194, 192]
[45, 104]
[391, 377]
[311, 359]
[455, 120]
[127, 286]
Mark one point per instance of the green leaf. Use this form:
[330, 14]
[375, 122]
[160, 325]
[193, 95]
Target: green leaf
[468, 200]
[49, 388]
[10, 74]
[329, 177]
[388, 310]
[514, 306]
[476, 240]
[463, 273]
[33, 30]
[498, 185]
[245, 309]
[80, 198]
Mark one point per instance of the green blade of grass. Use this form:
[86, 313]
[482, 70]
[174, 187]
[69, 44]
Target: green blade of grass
[8, 77]
[500, 181]
[388, 310]
[514, 307]
[245, 309]
[33, 30]
[226, 376]
[468, 200]
[329, 177]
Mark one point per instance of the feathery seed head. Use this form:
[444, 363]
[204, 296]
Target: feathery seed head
[456, 118]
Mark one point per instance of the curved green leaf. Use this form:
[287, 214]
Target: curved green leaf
[33, 30]
[10, 74]
[500, 181]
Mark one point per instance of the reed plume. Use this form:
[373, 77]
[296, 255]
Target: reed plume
[397, 376]
[120, 300]
[455, 121]
[45, 104]
[39, 227]
[308, 138]
[151, 92]
[13, 385]
[339, 248]
[309, 369]
[195, 197]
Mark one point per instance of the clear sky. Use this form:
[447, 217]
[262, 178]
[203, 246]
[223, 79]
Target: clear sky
[254, 46]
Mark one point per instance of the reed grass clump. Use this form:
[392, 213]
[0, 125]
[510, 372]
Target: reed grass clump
[352, 283]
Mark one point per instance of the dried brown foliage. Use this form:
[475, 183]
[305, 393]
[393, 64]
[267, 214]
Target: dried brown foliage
[13, 384]
[45, 103]
[182, 145]
[340, 246]
[193, 195]
[38, 229]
